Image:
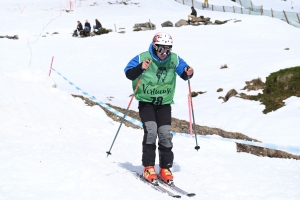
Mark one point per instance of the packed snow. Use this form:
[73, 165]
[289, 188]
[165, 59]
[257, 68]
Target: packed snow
[53, 146]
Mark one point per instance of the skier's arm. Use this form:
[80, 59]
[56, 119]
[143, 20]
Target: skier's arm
[180, 69]
[133, 68]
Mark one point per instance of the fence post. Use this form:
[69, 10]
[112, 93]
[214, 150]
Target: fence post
[272, 12]
[150, 24]
[286, 18]
[183, 2]
[212, 7]
[241, 3]
[115, 28]
[202, 7]
[251, 5]
[249, 12]
[223, 9]
[298, 18]
[193, 3]
[233, 9]
[242, 10]
[261, 10]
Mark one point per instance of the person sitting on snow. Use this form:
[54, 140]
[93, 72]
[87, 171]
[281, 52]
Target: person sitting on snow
[193, 15]
[87, 28]
[79, 29]
[98, 25]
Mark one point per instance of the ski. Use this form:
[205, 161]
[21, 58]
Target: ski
[172, 186]
[156, 186]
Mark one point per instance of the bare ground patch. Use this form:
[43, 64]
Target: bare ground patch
[182, 126]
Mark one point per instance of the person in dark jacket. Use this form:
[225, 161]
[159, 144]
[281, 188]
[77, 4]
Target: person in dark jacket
[79, 29]
[98, 25]
[87, 26]
[193, 15]
[159, 66]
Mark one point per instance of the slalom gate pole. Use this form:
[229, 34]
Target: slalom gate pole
[136, 88]
[190, 93]
[51, 66]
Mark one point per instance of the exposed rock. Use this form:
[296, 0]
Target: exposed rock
[254, 84]
[181, 22]
[167, 24]
[145, 26]
[220, 22]
[220, 90]
[15, 37]
[287, 49]
[230, 93]
[224, 66]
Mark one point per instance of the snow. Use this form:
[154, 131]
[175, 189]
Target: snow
[53, 146]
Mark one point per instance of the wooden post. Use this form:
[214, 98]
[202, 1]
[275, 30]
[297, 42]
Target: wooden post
[183, 2]
[286, 18]
[150, 25]
[272, 12]
[193, 3]
[233, 9]
[298, 18]
[249, 12]
[202, 7]
[115, 28]
[261, 10]
[242, 10]
[223, 9]
[212, 7]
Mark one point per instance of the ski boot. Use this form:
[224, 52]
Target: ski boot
[166, 176]
[150, 175]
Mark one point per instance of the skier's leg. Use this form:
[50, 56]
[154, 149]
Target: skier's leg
[165, 145]
[147, 115]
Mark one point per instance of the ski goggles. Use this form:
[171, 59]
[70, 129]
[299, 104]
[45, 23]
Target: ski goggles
[160, 49]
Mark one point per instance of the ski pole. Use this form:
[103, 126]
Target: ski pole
[194, 125]
[137, 85]
[190, 115]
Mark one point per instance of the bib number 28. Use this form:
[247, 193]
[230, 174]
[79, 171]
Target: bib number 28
[157, 100]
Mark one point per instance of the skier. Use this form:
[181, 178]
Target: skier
[155, 95]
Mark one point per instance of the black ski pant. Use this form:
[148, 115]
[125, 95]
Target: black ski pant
[156, 121]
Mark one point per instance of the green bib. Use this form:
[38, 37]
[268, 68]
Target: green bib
[158, 83]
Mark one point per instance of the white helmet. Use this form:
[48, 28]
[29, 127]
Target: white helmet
[162, 39]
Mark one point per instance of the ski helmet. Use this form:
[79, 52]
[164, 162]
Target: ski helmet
[162, 39]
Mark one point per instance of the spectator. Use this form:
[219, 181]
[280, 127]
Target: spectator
[87, 28]
[205, 3]
[98, 25]
[79, 29]
[192, 16]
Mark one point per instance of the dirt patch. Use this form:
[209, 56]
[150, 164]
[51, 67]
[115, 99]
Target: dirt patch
[182, 126]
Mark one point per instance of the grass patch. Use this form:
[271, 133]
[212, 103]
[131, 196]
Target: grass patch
[278, 87]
